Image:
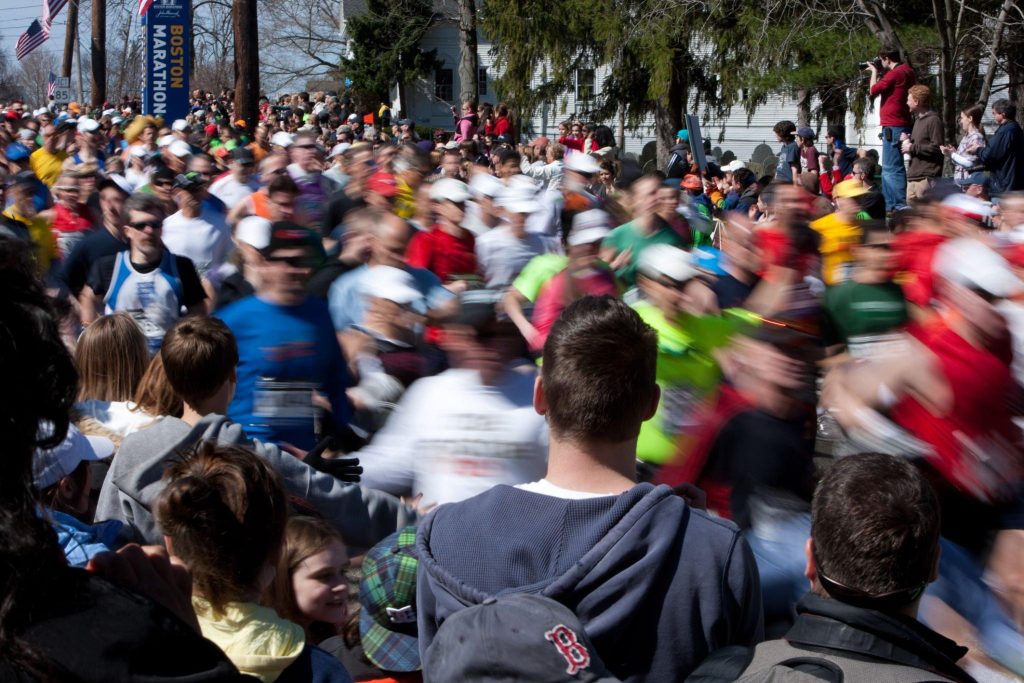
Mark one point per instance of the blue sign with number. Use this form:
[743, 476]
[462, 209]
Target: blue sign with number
[167, 30]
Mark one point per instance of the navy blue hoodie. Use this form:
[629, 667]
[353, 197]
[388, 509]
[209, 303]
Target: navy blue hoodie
[657, 584]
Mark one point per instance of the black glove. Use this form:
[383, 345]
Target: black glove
[343, 469]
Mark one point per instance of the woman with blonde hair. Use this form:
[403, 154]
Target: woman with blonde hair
[111, 358]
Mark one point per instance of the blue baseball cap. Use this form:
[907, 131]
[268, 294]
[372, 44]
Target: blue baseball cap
[683, 134]
[16, 151]
[976, 178]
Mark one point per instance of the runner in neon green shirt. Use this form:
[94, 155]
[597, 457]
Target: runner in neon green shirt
[687, 372]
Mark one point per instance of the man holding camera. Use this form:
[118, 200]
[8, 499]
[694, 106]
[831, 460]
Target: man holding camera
[892, 79]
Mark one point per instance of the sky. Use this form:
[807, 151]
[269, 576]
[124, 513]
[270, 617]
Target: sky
[16, 15]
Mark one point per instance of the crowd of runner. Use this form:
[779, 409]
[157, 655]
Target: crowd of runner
[315, 398]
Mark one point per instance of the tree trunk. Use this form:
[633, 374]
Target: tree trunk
[803, 107]
[668, 112]
[247, 61]
[993, 58]
[877, 19]
[98, 51]
[947, 66]
[970, 82]
[833, 106]
[468, 58]
[69, 39]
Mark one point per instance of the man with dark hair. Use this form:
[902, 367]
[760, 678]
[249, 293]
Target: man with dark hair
[787, 169]
[655, 583]
[893, 83]
[874, 548]
[147, 281]
[1004, 154]
[108, 240]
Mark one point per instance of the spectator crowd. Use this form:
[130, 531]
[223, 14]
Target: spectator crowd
[316, 397]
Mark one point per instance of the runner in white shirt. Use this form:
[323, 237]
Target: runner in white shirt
[503, 252]
[240, 182]
[468, 429]
[198, 232]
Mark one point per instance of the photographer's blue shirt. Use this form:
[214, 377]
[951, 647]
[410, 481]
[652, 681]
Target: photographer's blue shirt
[285, 353]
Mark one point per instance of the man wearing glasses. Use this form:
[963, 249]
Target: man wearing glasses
[288, 353]
[873, 202]
[147, 281]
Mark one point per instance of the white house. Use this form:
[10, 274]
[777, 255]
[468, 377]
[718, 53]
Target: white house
[430, 101]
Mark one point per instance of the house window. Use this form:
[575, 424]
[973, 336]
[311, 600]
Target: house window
[443, 84]
[481, 81]
[585, 89]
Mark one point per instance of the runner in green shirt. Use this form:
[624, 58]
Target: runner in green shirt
[687, 371]
[623, 247]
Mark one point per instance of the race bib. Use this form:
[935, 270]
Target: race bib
[153, 332]
[679, 409]
[284, 401]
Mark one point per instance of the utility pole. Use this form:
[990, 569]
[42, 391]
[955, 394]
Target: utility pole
[247, 62]
[98, 51]
[78, 56]
[69, 39]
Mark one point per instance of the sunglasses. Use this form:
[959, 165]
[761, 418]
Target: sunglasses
[303, 261]
[142, 225]
[163, 183]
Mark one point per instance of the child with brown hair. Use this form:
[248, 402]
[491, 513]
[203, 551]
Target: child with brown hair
[223, 513]
[311, 588]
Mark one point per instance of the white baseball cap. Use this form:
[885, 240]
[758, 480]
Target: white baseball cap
[165, 140]
[109, 112]
[87, 125]
[281, 139]
[393, 284]
[582, 163]
[449, 189]
[254, 231]
[519, 196]
[50, 466]
[968, 206]
[180, 125]
[589, 227]
[451, 145]
[483, 184]
[339, 149]
[970, 263]
[734, 166]
[663, 260]
[180, 149]
[40, 111]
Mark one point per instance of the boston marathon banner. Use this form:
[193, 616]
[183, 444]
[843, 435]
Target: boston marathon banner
[167, 32]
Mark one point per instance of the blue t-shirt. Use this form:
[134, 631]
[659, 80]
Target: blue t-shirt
[789, 156]
[284, 354]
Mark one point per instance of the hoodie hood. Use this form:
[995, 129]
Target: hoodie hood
[135, 473]
[605, 559]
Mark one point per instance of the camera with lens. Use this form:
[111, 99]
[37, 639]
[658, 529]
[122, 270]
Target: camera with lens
[876, 61]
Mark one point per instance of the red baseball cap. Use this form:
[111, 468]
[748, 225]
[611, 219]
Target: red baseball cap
[383, 184]
[691, 182]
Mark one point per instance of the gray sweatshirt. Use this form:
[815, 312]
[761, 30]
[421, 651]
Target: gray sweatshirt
[362, 516]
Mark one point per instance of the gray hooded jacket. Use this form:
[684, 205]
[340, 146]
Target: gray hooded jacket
[363, 516]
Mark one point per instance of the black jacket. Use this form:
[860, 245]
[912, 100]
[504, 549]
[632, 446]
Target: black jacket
[827, 630]
[91, 630]
[1004, 158]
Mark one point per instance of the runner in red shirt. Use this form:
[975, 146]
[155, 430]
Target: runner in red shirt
[448, 250]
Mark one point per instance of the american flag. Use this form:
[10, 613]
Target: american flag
[51, 84]
[51, 8]
[30, 40]
[144, 7]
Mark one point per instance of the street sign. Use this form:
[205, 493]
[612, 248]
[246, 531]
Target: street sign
[62, 90]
